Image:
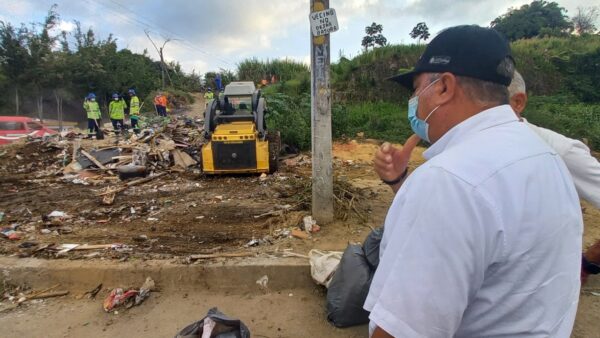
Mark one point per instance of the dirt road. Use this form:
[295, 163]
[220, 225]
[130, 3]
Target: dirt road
[287, 313]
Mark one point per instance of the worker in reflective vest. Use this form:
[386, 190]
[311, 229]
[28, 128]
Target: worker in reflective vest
[93, 113]
[134, 111]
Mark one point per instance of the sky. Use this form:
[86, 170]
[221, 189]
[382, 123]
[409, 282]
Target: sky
[208, 35]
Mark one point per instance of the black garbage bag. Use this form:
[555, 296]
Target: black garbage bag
[349, 288]
[225, 327]
[371, 247]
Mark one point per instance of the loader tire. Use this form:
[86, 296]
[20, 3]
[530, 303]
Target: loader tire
[274, 139]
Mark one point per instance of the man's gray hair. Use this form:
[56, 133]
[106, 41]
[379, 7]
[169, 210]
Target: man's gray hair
[517, 84]
[483, 92]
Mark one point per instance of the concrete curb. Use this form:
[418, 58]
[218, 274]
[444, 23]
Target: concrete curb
[233, 275]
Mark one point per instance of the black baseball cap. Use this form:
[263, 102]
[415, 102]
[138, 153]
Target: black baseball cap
[468, 50]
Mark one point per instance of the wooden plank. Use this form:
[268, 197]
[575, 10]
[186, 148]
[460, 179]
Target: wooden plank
[234, 254]
[96, 162]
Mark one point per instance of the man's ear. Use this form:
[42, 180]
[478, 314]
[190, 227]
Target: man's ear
[518, 102]
[447, 90]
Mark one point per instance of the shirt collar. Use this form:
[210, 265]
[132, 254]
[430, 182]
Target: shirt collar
[486, 119]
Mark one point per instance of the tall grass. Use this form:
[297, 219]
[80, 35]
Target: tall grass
[256, 70]
[564, 115]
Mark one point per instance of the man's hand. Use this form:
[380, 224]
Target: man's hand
[380, 333]
[391, 162]
[593, 256]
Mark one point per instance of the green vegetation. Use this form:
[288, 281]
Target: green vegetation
[538, 19]
[380, 120]
[256, 70]
[567, 116]
[562, 79]
[40, 69]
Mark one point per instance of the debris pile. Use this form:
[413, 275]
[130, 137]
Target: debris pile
[144, 196]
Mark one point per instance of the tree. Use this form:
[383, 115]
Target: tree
[539, 18]
[14, 57]
[420, 32]
[42, 67]
[374, 36]
[40, 73]
[584, 20]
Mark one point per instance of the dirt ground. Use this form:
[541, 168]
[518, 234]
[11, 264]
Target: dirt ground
[182, 214]
[288, 313]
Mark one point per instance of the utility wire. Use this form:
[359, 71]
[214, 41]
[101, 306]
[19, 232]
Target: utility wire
[146, 25]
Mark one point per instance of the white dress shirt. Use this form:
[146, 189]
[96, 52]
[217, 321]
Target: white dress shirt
[584, 168]
[482, 240]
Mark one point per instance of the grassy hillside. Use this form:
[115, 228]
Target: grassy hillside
[550, 66]
[562, 76]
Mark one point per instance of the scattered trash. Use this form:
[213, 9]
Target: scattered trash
[56, 213]
[145, 291]
[42, 294]
[64, 248]
[65, 230]
[118, 297]
[27, 245]
[215, 325]
[308, 222]
[1, 215]
[299, 234]
[182, 160]
[130, 171]
[263, 177]
[97, 157]
[140, 238]
[92, 293]
[263, 282]
[253, 242]
[11, 232]
[323, 265]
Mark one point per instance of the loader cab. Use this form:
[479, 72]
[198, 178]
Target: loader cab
[235, 130]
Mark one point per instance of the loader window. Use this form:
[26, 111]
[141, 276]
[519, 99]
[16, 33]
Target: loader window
[242, 103]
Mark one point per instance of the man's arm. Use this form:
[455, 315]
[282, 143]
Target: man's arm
[585, 170]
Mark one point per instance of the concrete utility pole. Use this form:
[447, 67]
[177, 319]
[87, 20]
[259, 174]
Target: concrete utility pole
[322, 168]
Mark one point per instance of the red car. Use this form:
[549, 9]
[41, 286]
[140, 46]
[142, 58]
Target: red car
[13, 128]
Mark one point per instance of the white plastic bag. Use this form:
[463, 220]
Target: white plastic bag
[323, 265]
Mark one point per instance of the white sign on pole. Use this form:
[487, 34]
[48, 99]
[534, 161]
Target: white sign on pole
[323, 22]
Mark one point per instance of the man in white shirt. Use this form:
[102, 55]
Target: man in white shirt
[484, 239]
[583, 167]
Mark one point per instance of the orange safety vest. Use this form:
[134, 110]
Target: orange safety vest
[160, 100]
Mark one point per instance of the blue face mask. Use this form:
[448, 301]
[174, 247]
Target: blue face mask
[420, 127]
